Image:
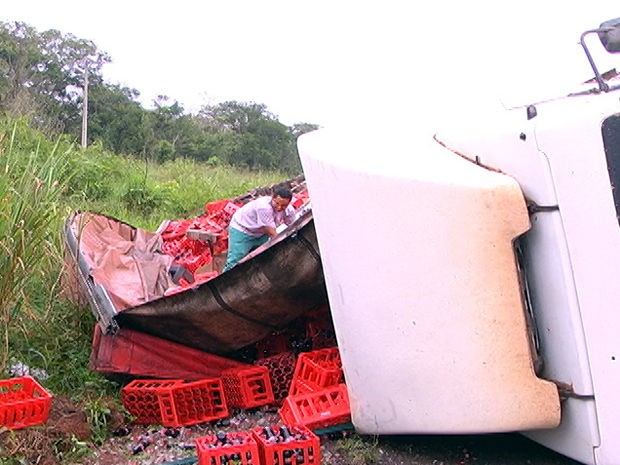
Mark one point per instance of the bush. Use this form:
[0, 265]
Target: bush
[96, 173]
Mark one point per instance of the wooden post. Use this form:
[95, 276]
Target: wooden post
[85, 110]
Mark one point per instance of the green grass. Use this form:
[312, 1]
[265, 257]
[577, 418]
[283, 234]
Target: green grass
[361, 450]
[144, 194]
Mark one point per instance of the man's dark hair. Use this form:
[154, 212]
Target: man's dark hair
[283, 192]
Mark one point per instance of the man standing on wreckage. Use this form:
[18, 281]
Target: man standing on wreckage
[254, 223]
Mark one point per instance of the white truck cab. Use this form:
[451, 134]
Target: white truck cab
[473, 275]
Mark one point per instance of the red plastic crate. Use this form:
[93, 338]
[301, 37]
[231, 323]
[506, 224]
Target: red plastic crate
[193, 402]
[247, 387]
[240, 448]
[316, 370]
[23, 403]
[317, 409]
[175, 402]
[281, 368]
[141, 399]
[302, 447]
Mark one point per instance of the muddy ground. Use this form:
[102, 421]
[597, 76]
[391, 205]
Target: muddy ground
[64, 439]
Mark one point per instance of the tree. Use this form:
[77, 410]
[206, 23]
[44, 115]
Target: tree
[165, 126]
[257, 139]
[116, 118]
[302, 128]
[42, 77]
[45, 72]
[19, 56]
[233, 116]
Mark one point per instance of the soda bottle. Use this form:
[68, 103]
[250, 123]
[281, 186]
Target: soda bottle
[271, 438]
[221, 437]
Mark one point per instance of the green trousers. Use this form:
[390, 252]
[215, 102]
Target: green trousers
[239, 245]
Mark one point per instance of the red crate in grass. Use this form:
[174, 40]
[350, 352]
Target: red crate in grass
[23, 402]
[238, 448]
[318, 409]
[247, 387]
[290, 445]
[281, 368]
[175, 402]
[316, 370]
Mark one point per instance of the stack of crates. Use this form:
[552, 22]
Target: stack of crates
[175, 402]
[318, 397]
[23, 403]
[247, 387]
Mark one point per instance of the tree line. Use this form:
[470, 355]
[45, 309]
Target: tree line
[43, 76]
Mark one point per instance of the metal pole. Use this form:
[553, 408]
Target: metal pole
[85, 110]
[602, 85]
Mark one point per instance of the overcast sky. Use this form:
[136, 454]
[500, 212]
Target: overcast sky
[331, 61]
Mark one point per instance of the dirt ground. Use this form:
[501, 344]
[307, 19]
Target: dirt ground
[65, 439]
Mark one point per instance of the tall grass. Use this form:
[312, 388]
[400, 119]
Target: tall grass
[30, 187]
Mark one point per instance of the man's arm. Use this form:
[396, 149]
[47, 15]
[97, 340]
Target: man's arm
[270, 231]
[289, 215]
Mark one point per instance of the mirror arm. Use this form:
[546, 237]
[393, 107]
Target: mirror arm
[602, 84]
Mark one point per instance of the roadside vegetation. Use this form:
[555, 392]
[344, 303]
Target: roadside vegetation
[139, 165]
[41, 182]
[45, 76]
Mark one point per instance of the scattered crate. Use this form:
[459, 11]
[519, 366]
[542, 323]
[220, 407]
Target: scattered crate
[175, 402]
[316, 370]
[319, 409]
[141, 399]
[290, 445]
[247, 387]
[281, 368]
[23, 403]
[238, 448]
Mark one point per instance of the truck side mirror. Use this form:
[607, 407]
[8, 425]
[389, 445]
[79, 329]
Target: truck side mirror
[609, 33]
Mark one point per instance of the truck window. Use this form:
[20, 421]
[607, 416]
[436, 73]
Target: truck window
[611, 141]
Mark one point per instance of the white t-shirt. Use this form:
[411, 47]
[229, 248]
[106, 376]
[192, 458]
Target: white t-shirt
[259, 213]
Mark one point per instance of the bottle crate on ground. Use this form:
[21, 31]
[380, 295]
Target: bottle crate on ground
[239, 448]
[175, 402]
[23, 403]
[318, 409]
[247, 387]
[316, 370]
[287, 445]
[281, 368]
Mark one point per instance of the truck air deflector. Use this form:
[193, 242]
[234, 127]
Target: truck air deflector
[429, 319]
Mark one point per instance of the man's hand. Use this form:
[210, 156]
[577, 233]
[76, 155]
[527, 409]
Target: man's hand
[271, 232]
